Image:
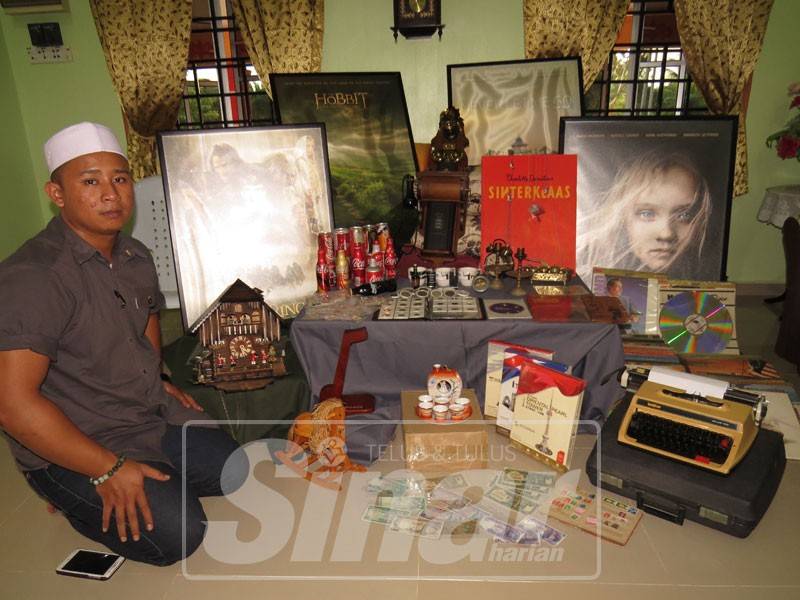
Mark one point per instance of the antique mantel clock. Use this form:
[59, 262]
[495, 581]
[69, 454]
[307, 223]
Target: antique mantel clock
[417, 18]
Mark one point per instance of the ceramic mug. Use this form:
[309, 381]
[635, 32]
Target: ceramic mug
[443, 276]
[466, 275]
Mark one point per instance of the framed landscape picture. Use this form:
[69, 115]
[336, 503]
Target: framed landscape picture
[654, 194]
[514, 107]
[369, 141]
[246, 203]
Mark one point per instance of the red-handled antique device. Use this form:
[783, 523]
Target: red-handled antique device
[354, 404]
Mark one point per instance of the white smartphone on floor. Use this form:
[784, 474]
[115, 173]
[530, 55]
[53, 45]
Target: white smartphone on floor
[90, 564]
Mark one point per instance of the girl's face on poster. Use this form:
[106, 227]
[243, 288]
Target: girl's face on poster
[659, 220]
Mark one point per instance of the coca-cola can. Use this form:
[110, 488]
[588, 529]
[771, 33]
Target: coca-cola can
[342, 240]
[372, 234]
[330, 274]
[390, 264]
[358, 266]
[357, 236]
[377, 256]
[374, 272]
[382, 230]
[325, 240]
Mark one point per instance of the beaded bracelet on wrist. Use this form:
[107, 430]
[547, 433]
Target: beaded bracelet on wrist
[103, 478]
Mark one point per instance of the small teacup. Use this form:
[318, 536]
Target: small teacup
[456, 409]
[424, 398]
[440, 412]
[425, 410]
[441, 400]
[462, 402]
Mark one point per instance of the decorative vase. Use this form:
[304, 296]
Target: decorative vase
[444, 382]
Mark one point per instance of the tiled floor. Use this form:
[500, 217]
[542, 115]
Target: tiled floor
[660, 561]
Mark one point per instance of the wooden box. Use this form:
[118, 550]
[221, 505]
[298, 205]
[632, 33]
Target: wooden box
[438, 449]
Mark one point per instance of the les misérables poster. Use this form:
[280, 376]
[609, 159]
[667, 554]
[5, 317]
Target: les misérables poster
[529, 200]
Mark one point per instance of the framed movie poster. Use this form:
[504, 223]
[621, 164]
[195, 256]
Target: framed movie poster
[246, 203]
[654, 194]
[513, 107]
[369, 141]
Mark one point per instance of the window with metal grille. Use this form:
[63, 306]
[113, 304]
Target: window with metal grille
[222, 88]
[646, 74]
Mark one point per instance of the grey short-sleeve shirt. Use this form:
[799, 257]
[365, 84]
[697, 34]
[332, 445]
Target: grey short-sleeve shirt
[61, 298]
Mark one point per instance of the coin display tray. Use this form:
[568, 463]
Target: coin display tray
[432, 304]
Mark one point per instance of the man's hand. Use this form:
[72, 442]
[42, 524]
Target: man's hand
[181, 396]
[123, 494]
[153, 333]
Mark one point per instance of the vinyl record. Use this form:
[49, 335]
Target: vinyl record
[695, 322]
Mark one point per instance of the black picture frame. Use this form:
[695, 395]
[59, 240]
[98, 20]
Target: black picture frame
[496, 112]
[246, 203]
[371, 147]
[623, 164]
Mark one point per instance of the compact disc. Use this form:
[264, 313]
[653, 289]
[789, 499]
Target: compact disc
[695, 322]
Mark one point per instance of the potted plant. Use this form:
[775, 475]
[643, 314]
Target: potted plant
[787, 140]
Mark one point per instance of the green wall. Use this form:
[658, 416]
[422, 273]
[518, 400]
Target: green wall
[756, 252]
[357, 38]
[20, 216]
[54, 95]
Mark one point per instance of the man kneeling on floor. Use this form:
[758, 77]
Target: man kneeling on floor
[92, 426]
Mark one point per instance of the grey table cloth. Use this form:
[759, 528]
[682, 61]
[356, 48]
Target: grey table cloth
[399, 355]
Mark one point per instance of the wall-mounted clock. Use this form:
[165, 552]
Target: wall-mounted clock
[417, 18]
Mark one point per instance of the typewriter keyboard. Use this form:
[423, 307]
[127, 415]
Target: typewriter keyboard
[683, 440]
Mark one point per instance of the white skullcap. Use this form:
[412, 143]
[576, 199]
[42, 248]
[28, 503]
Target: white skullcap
[77, 140]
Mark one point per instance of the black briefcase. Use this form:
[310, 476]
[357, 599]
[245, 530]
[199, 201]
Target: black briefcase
[673, 490]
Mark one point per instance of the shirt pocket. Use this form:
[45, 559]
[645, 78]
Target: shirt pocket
[144, 301]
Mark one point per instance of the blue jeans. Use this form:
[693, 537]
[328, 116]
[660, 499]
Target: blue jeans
[206, 453]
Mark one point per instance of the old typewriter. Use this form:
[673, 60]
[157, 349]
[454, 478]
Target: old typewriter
[696, 420]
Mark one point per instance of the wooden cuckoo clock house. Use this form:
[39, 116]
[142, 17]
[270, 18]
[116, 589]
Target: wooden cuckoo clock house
[240, 336]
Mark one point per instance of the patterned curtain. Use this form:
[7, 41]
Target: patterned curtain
[146, 44]
[722, 40]
[585, 28]
[281, 36]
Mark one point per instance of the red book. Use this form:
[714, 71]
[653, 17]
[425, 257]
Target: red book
[529, 200]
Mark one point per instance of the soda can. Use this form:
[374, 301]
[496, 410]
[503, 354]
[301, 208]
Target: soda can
[373, 272]
[382, 230]
[358, 266]
[390, 261]
[325, 240]
[342, 240]
[372, 235]
[330, 274]
[378, 258]
[342, 270]
[358, 235]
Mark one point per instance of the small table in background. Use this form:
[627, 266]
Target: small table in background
[779, 203]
